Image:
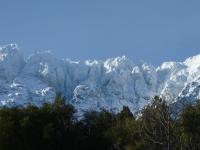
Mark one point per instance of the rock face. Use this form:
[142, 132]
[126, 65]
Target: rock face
[87, 85]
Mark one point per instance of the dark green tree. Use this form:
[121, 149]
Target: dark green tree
[158, 127]
[190, 126]
[124, 132]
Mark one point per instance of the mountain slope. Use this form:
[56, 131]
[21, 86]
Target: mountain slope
[108, 84]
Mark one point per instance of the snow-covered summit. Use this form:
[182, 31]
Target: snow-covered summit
[11, 62]
[108, 84]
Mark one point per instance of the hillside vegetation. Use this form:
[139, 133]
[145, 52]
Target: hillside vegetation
[54, 127]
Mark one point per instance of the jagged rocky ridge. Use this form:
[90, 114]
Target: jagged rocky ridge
[93, 85]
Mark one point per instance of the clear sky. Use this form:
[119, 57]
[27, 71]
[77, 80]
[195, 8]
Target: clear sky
[149, 30]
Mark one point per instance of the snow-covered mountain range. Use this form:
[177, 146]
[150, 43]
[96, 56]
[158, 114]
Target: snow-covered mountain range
[92, 85]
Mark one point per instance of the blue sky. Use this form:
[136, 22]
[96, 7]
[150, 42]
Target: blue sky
[149, 30]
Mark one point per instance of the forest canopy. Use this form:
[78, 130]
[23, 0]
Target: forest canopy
[54, 127]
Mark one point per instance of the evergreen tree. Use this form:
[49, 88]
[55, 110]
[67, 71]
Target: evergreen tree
[190, 126]
[124, 131]
[157, 126]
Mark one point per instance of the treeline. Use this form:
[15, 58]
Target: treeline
[53, 127]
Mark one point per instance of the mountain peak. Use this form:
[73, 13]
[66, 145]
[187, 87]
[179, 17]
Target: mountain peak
[12, 46]
[109, 84]
[114, 64]
[193, 61]
[11, 61]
